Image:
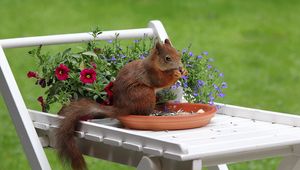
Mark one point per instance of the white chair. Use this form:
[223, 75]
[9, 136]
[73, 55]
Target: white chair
[235, 134]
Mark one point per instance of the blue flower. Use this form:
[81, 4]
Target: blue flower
[135, 41]
[205, 53]
[224, 85]
[176, 85]
[199, 56]
[221, 75]
[221, 95]
[184, 51]
[123, 56]
[216, 87]
[211, 99]
[185, 85]
[173, 87]
[109, 41]
[195, 94]
[142, 56]
[113, 58]
[184, 77]
[200, 83]
[209, 66]
[190, 54]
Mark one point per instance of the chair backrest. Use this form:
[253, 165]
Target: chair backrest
[14, 100]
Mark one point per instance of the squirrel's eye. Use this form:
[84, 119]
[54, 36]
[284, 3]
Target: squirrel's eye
[168, 58]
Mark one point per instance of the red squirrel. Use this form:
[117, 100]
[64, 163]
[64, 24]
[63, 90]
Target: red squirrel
[134, 93]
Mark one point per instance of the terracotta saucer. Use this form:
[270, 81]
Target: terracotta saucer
[157, 123]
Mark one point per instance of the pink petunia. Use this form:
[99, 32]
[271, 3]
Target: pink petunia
[108, 90]
[62, 72]
[88, 76]
[32, 74]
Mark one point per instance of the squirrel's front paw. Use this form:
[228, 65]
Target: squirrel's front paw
[183, 71]
[176, 74]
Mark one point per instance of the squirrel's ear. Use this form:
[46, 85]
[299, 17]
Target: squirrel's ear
[167, 41]
[158, 46]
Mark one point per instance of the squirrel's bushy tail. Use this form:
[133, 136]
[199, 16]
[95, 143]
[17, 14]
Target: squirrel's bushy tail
[82, 109]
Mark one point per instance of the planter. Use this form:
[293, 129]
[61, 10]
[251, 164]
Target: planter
[157, 123]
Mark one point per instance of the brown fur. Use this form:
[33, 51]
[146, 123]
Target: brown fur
[134, 93]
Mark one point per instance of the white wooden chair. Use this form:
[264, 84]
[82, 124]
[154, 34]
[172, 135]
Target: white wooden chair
[235, 133]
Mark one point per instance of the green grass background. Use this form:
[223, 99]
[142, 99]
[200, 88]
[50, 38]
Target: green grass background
[255, 43]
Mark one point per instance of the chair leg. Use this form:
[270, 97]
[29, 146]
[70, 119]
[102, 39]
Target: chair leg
[218, 167]
[158, 163]
[149, 163]
[197, 165]
[290, 163]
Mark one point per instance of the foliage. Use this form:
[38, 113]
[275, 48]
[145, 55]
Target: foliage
[69, 76]
[204, 83]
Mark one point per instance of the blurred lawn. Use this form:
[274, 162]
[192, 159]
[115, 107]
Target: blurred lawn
[255, 43]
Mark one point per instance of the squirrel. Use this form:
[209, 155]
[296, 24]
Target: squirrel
[134, 93]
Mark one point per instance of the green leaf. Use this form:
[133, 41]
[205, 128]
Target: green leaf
[76, 56]
[67, 51]
[90, 53]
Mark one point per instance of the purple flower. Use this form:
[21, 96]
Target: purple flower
[109, 41]
[190, 54]
[199, 56]
[195, 94]
[216, 87]
[185, 85]
[113, 58]
[224, 85]
[209, 66]
[200, 83]
[184, 51]
[135, 41]
[184, 77]
[221, 95]
[176, 85]
[123, 56]
[42, 83]
[142, 56]
[173, 87]
[211, 60]
[205, 53]
[221, 75]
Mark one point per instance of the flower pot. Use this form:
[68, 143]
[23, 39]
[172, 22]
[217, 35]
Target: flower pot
[157, 123]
